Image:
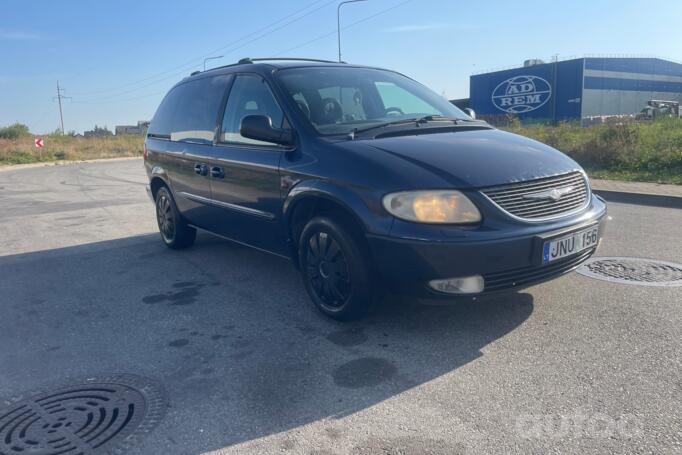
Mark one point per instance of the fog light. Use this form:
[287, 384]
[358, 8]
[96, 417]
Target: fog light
[464, 285]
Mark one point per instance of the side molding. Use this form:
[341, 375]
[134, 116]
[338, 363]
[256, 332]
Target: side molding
[227, 205]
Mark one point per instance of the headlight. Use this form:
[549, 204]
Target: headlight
[441, 206]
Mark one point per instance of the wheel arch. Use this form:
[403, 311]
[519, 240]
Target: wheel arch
[158, 178]
[317, 198]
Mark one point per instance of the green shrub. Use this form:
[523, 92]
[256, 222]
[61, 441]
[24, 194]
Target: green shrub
[20, 157]
[14, 131]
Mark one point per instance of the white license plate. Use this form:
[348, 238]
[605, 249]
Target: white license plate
[570, 244]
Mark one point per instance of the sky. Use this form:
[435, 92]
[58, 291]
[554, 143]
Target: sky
[117, 59]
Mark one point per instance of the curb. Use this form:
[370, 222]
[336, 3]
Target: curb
[16, 167]
[655, 200]
[624, 197]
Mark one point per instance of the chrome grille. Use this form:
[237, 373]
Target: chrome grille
[542, 198]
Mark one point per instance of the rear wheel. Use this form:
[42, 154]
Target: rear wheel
[336, 272]
[175, 232]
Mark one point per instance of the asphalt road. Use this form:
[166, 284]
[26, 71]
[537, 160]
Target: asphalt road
[571, 366]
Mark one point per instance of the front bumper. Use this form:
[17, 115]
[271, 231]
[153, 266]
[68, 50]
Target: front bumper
[507, 256]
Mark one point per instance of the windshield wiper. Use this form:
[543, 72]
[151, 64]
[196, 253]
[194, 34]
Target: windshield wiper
[416, 120]
[437, 118]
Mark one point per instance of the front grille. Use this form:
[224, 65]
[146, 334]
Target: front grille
[526, 276]
[542, 198]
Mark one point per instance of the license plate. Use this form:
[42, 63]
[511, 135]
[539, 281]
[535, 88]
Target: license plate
[570, 244]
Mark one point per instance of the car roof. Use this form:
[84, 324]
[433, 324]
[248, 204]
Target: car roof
[263, 66]
[256, 65]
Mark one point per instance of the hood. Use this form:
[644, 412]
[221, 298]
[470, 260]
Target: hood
[477, 158]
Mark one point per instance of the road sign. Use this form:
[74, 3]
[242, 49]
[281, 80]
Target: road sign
[38, 142]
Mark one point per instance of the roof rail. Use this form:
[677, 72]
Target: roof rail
[248, 60]
[219, 67]
[301, 59]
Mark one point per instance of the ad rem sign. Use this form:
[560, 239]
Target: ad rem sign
[521, 94]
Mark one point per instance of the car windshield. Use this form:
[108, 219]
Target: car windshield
[339, 100]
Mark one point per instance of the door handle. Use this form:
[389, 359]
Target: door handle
[217, 172]
[201, 169]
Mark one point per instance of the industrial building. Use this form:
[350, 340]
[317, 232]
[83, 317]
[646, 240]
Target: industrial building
[140, 128]
[575, 89]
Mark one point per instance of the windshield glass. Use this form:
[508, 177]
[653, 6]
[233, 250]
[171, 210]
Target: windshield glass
[338, 100]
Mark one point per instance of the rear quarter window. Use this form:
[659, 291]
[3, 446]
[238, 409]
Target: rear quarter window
[189, 112]
[162, 123]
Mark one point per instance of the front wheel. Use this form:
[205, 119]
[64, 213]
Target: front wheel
[175, 232]
[336, 271]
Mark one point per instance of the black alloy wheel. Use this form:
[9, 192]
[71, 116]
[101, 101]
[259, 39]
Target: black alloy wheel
[175, 232]
[336, 270]
[165, 218]
[327, 270]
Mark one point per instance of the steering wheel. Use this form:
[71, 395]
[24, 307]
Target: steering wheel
[332, 112]
[393, 111]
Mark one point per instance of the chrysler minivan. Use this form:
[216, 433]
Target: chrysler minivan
[366, 180]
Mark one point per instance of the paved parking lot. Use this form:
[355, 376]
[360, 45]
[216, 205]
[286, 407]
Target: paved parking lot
[249, 366]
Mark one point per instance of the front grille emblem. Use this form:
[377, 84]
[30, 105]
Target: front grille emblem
[554, 194]
[542, 199]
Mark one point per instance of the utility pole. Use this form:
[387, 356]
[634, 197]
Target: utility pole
[59, 98]
[211, 58]
[338, 21]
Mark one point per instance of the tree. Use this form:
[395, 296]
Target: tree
[14, 131]
[98, 131]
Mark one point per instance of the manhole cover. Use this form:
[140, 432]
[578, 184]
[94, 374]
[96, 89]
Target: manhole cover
[99, 416]
[646, 272]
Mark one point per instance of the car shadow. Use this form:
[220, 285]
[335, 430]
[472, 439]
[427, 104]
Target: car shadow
[228, 331]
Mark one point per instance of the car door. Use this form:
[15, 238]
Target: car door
[188, 149]
[245, 180]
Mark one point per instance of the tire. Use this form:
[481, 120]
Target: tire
[336, 271]
[175, 232]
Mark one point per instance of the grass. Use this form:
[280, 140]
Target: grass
[22, 150]
[662, 176]
[649, 152]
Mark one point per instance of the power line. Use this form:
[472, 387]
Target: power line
[276, 29]
[149, 95]
[176, 73]
[353, 24]
[184, 66]
[113, 98]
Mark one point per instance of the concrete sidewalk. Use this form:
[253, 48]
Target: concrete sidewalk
[14, 167]
[639, 192]
[636, 187]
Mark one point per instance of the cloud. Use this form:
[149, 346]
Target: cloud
[16, 35]
[416, 28]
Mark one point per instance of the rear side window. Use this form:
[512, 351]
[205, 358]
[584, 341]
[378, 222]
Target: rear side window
[189, 112]
[162, 123]
[250, 95]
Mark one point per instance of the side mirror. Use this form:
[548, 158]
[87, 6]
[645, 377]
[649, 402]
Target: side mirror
[470, 112]
[259, 127]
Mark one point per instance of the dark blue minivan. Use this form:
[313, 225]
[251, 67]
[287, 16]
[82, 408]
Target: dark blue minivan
[366, 180]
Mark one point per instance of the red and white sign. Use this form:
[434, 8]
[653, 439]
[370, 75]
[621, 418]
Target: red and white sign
[38, 142]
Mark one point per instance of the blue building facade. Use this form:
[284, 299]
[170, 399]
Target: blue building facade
[575, 89]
